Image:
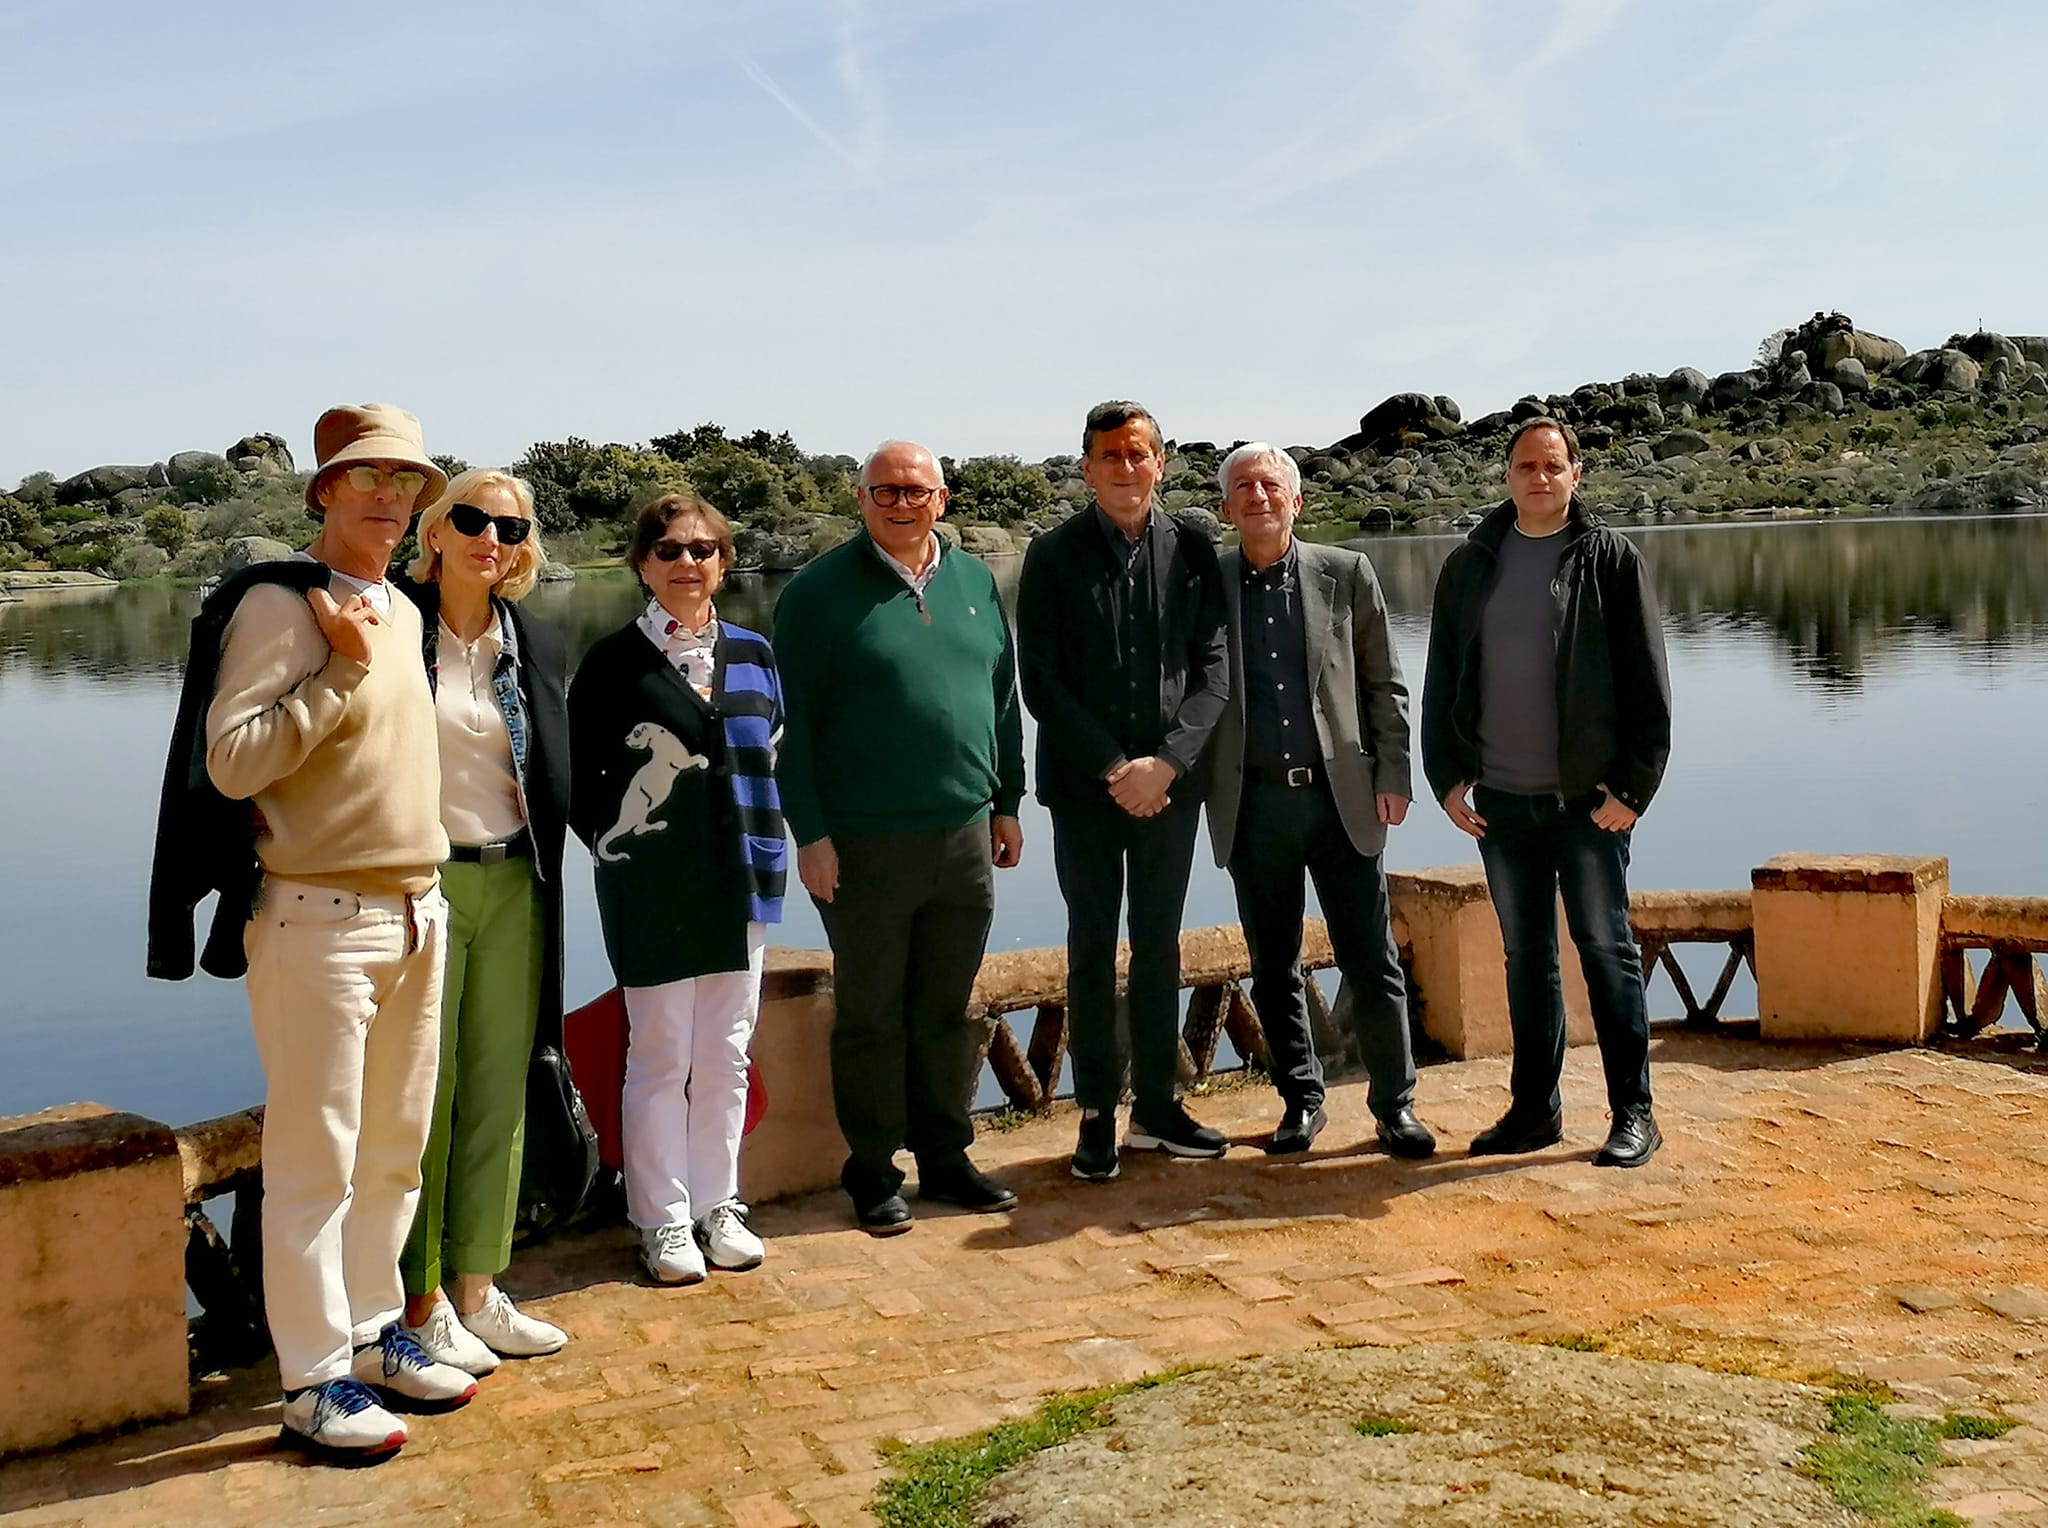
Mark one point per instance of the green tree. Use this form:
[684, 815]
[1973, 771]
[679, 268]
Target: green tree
[16, 518]
[576, 483]
[997, 488]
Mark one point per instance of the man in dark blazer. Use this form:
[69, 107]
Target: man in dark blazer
[1307, 771]
[1121, 659]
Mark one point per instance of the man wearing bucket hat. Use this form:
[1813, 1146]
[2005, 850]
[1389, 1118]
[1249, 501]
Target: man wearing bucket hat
[321, 716]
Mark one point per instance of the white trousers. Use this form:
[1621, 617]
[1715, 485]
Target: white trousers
[686, 1090]
[345, 997]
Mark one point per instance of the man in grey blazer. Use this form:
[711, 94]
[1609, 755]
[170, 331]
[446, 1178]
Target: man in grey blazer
[1308, 768]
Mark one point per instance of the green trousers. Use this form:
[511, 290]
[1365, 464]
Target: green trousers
[490, 998]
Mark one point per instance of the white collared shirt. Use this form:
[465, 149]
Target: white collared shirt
[479, 788]
[694, 653]
[341, 585]
[918, 582]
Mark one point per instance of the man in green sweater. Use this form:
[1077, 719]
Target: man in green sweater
[901, 770]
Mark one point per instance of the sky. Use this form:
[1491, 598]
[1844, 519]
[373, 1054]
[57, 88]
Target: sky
[965, 221]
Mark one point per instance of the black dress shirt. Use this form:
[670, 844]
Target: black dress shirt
[1134, 607]
[1279, 725]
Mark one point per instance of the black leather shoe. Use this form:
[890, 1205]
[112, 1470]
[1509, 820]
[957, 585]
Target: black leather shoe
[1177, 1133]
[1095, 1155]
[1633, 1140]
[883, 1217]
[1406, 1136]
[1297, 1132]
[967, 1187]
[1512, 1134]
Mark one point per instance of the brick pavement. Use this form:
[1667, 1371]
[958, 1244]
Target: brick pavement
[1876, 1213]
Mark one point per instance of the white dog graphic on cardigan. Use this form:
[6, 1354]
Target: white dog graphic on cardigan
[648, 791]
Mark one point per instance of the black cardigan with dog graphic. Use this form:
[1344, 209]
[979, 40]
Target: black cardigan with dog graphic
[650, 794]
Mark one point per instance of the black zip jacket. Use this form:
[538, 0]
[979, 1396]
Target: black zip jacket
[206, 843]
[1613, 691]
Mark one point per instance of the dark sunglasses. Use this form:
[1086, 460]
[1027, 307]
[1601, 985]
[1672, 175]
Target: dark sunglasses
[700, 551]
[470, 521]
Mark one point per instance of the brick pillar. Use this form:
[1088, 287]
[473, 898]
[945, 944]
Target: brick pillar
[1848, 946]
[92, 1263]
[1444, 918]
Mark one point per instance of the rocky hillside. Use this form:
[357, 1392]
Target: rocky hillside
[1831, 418]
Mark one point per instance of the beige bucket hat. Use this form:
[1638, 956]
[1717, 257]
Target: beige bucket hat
[372, 432]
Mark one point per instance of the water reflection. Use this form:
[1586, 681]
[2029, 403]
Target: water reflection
[1836, 597]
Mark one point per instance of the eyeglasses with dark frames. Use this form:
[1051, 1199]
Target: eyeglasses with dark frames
[889, 495]
[471, 521]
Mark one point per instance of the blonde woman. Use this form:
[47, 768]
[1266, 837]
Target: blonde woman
[497, 675]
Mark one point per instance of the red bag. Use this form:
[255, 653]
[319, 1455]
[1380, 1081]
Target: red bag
[594, 1039]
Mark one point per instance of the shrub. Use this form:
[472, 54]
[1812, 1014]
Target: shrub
[38, 489]
[16, 516]
[210, 485]
[575, 482]
[166, 526]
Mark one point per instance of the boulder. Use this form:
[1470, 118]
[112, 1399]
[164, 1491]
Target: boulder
[1448, 407]
[1952, 371]
[1680, 443]
[1824, 396]
[1639, 384]
[1201, 520]
[987, 541]
[1633, 411]
[1685, 385]
[261, 455]
[191, 466]
[101, 483]
[1732, 388]
[1873, 350]
[1376, 518]
[1770, 448]
[2034, 347]
[1530, 407]
[1849, 375]
[1983, 347]
[1640, 453]
[246, 551]
[1402, 420]
[133, 501]
[1794, 374]
[141, 559]
[556, 573]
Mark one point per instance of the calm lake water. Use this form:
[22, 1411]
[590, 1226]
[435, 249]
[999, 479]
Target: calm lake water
[1847, 686]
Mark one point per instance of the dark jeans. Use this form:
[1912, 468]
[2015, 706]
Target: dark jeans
[1535, 848]
[908, 925]
[1093, 850]
[1283, 835]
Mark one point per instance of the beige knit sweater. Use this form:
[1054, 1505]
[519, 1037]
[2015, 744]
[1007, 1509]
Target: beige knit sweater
[343, 760]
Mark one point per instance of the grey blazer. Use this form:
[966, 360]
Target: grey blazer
[1356, 689]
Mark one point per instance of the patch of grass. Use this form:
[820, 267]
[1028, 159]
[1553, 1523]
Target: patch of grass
[1576, 1342]
[1003, 1121]
[1381, 1427]
[939, 1483]
[1960, 1424]
[1873, 1463]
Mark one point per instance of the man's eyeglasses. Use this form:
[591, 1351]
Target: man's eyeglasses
[364, 478]
[699, 551]
[889, 495]
[471, 521]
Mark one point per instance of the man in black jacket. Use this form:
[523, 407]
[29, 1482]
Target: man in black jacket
[1123, 661]
[1546, 724]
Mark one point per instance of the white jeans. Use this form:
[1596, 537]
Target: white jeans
[345, 997]
[686, 1090]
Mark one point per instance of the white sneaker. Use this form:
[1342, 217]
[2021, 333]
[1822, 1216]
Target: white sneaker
[342, 1420]
[445, 1339]
[728, 1241]
[504, 1328]
[395, 1365]
[670, 1255]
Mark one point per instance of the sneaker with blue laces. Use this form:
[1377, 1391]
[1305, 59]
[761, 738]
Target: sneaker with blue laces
[397, 1367]
[341, 1421]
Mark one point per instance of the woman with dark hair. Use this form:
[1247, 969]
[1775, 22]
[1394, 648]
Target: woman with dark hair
[497, 675]
[674, 720]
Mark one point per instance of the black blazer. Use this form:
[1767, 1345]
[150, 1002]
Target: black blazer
[1066, 628]
[543, 678]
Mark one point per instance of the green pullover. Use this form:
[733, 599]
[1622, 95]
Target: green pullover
[902, 710]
